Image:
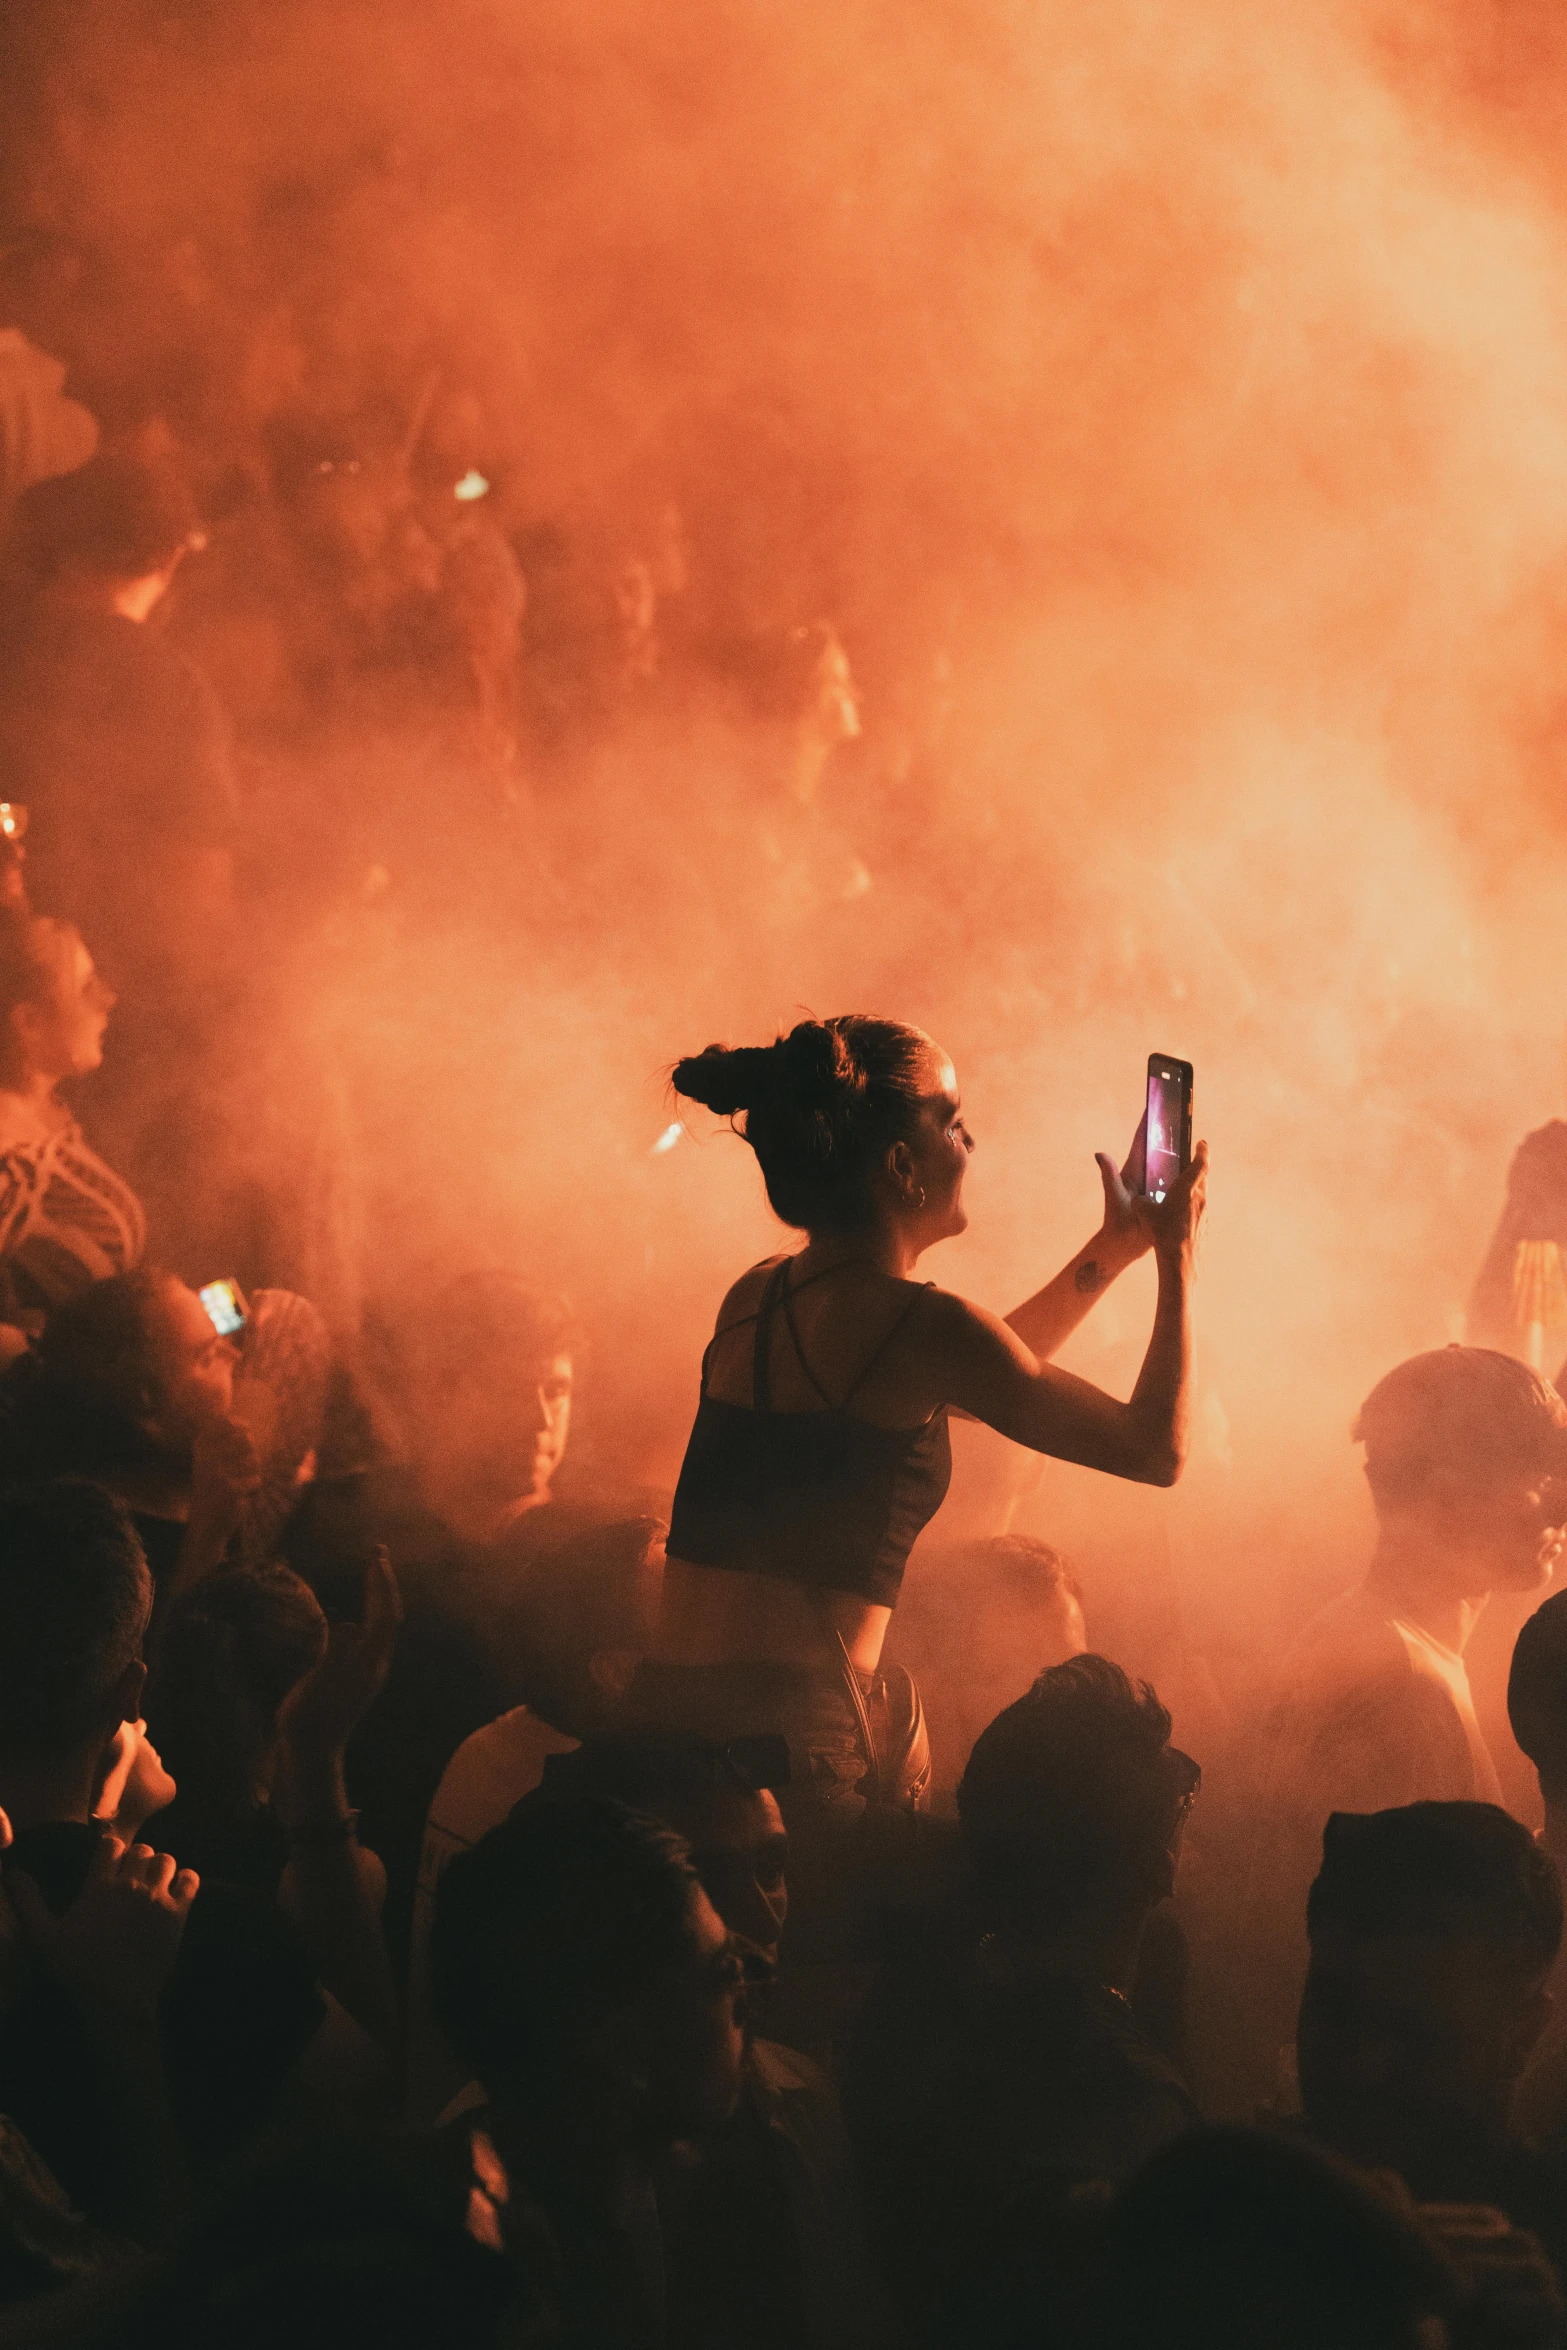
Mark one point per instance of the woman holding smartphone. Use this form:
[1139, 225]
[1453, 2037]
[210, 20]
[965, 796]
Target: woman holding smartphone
[820, 1448]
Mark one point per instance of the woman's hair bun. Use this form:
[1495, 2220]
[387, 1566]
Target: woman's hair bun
[822, 1107]
[818, 1065]
[811, 1067]
[727, 1079]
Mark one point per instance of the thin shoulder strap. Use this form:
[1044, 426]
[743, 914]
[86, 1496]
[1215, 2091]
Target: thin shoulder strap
[867, 1368]
[761, 1359]
[794, 1333]
[740, 1322]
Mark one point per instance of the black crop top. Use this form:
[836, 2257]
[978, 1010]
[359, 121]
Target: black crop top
[816, 1498]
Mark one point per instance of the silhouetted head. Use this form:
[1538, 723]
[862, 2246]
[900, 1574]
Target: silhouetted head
[854, 1122]
[229, 1652]
[1537, 1694]
[1234, 2239]
[581, 1970]
[119, 521]
[585, 1609]
[1463, 1448]
[991, 1617]
[1432, 1929]
[1073, 1801]
[713, 1795]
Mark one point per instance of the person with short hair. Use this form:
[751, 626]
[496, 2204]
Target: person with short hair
[1375, 1709]
[762, 2232]
[244, 2020]
[984, 2087]
[491, 1375]
[581, 1972]
[1433, 1929]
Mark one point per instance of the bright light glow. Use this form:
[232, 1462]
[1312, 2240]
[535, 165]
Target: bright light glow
[473, 485]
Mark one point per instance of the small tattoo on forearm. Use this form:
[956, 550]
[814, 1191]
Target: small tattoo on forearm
[1089, 1276]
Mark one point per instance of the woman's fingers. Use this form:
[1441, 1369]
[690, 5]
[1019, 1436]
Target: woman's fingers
[1135, 1173]
[108, 1855]
[160, 1876]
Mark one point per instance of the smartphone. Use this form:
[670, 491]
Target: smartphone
[226, 1308]
[1169, 1123]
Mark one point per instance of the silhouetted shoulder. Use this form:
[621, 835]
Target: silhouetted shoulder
[745, 1297]
[945, 1320]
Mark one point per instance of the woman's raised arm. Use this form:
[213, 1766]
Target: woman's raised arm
[1047, 1320]
[982, 1366]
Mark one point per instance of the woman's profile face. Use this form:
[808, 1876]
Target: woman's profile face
[195, 1364]
[61, 1034]
[939, 1150]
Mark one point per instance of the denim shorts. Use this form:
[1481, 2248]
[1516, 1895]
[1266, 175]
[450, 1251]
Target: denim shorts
[809, 1706]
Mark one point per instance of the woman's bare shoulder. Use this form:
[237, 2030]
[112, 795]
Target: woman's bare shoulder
[946, 1318]
[743, 1300]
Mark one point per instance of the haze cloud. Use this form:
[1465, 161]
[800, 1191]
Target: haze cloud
[1166, 404]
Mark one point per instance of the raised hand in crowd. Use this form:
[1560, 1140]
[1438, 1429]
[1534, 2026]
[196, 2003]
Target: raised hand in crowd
[332, 1888]
[134, 1784]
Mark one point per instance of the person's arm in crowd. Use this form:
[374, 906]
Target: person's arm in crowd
[1045, 1321]
[225, 1473]
[1534, 1209]
[978, 1364]
[330, 1887]
[113, 1951]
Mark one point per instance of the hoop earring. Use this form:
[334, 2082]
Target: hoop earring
[920, 1202]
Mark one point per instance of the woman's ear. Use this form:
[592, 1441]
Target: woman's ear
[900, 1166]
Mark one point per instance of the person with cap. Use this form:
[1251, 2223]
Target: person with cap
[1374, 1709]
[112, 738]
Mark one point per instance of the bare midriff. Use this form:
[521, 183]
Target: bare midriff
[716, 1616]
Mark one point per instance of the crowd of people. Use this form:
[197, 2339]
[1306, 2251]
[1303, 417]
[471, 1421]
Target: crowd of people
[442, 1904]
